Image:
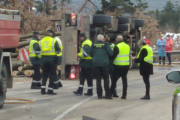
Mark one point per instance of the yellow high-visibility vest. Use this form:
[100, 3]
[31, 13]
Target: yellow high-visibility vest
[122, 58]
[86, 42]
[60, 45]
[31, 49]
[149, 57]
[47, 46]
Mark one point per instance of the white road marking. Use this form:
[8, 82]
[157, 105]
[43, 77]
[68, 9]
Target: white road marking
[73, 107]
[80, 103]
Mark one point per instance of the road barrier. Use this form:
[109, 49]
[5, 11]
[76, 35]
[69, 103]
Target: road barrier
[174, 52]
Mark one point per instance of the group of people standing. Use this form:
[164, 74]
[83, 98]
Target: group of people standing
[46, 52]
[106, 59]
[165, 46]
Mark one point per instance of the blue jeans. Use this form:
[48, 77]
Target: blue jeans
[169, 57]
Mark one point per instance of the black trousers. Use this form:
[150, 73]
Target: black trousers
[169, 57]
[49, 68]
[102, 72]
[120, 71]
[86, 74]
[147, 83]
[36, 76]
[161, 59]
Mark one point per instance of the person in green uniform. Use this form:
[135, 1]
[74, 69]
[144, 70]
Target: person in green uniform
[101, 52]
[86, 65]
[49, 50]
[111, 66]
[57, 82]
[35, 50]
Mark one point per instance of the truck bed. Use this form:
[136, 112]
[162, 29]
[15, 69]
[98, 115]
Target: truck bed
[9, 31]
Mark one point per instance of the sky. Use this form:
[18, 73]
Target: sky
[153, 4]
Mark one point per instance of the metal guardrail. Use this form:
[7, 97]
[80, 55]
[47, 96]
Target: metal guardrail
[174, 52]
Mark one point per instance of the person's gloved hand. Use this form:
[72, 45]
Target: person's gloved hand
[79, 59]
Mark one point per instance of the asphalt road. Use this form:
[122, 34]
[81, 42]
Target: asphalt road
[67, 106]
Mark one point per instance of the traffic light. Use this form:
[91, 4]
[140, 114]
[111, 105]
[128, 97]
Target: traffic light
[73, 19]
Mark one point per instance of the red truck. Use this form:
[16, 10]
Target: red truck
[9, 40]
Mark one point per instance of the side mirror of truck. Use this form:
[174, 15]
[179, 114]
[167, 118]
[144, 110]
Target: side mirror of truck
[173, 77]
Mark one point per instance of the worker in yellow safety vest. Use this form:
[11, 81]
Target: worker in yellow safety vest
[121, 64]
[86, 65]
[57, 82]
[145, 63]
[35, 50]
[49, 50]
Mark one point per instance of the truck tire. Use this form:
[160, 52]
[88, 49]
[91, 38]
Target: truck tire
[123, 20]
[122, 27]
[138, 22]
[101, 20]
[113, 36]
[3, 85]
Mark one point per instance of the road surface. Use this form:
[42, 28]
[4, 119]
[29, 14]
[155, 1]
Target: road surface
[67, 106]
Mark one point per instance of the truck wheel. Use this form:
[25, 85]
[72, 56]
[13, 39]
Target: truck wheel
[123, 20]
[122, 27]
[3, 85]
[138, 22]
[101, 20]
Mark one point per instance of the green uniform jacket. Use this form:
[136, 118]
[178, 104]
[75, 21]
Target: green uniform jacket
[35, 60]
[53, 57]
[86, 63]
[101, 52]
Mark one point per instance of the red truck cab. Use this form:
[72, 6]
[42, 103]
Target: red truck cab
[9, 40]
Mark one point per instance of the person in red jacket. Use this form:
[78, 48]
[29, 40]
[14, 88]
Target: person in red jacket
[148, 42]
[168, 48]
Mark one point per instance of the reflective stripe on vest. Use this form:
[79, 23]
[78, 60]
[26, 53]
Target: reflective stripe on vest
[83, 53]
[47, 46]
[31, 48]
[61, 47]
[123, 57]
[149, 57]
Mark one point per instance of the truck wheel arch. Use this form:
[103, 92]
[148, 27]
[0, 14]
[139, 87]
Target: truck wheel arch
[6, 58]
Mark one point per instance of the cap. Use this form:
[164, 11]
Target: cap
[82, 35]
[51, 31]
[35, 33]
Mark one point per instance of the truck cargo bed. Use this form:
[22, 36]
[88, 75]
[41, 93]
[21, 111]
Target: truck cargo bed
[9, 31]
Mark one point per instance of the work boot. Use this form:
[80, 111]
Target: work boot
[60, 84]
[89, 92]
[43, 91]
[79, 91]
[123, 97]
[108, 97]
[51, 92]
[115, 94]
[99, 97]
[146, 97]
[34, 86]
